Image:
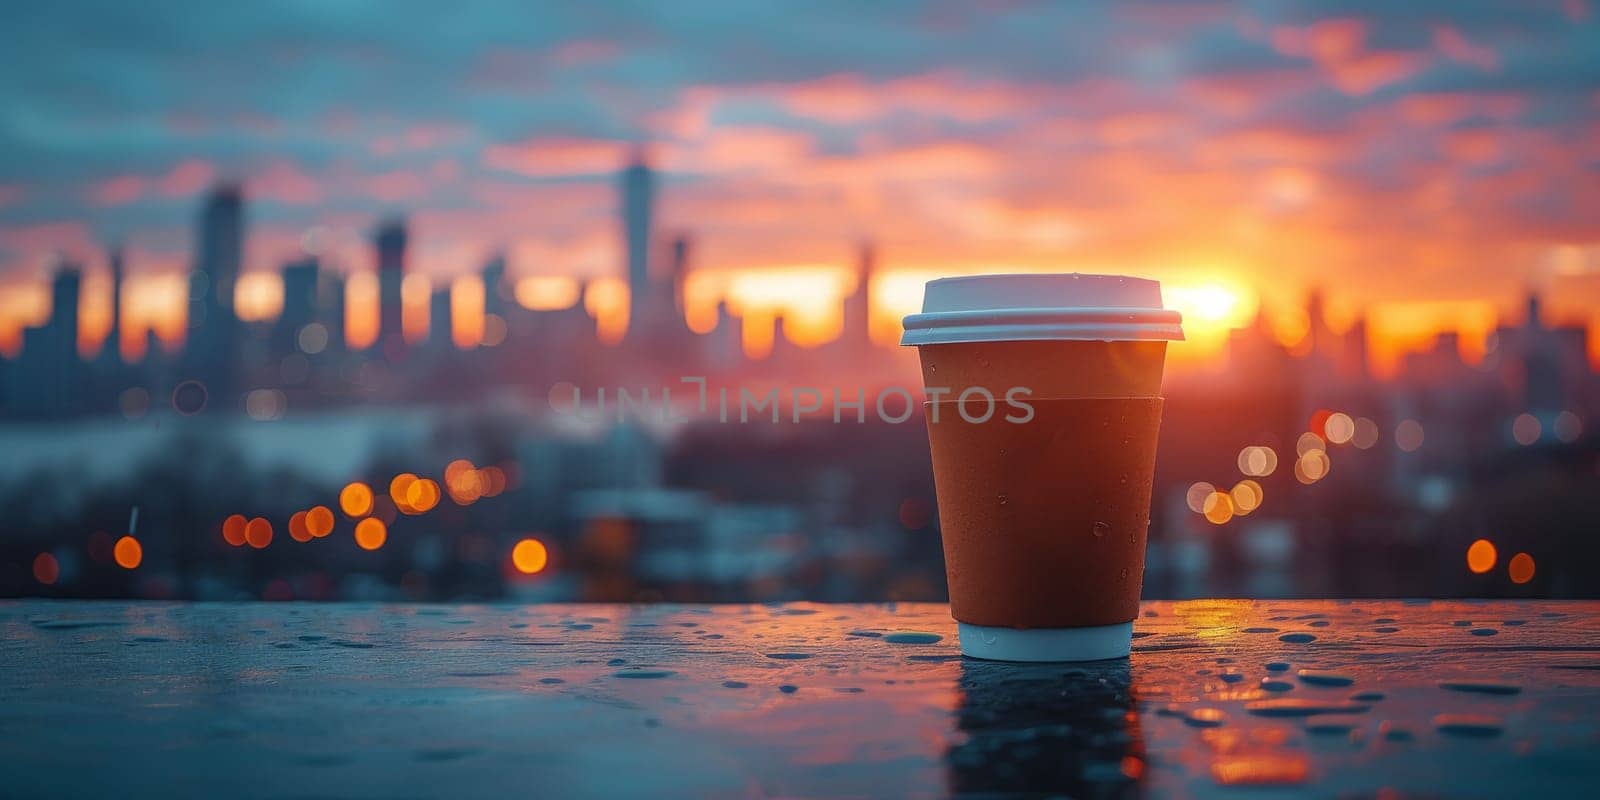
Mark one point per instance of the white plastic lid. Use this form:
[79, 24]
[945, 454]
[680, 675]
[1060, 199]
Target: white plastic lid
[1042, 307]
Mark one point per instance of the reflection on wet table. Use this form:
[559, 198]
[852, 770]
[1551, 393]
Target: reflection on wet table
[1219, 699]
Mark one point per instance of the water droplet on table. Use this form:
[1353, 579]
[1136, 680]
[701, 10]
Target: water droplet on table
[1275, 685]
[1298, 638]
[1205, 718]
[1298, 707]
[642, 673]
[1475, 725]
[1318, 677]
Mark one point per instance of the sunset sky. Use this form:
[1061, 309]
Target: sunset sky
[1428, 162]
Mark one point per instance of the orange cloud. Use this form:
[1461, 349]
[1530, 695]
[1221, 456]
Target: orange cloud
[284, 182]
[1453, 44]
[121, 190]
[1338, 46]
[557, 157]
[187, 178]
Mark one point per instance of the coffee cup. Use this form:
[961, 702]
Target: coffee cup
[1043, 407]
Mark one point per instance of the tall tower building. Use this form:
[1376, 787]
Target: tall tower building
[220, 249]
[300, 302]
[679, 261]
[638, 195]
[212, 345]
[111, 350]
[495, 290]
[66, 289]
[858, 306]
[63, 367]
[441, 320]
[390, 240]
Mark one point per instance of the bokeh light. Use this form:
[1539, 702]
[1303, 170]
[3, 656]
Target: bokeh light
[1408, 435]
[319, 521]
[1197, 496]
[1521, 568]
[1568, 427]
[398, 489]
[1340, 428]
[313, 338]
[258, 533]
[1311, 467]
[355, 499]
[1258, 461]
[1218, 508]
[491, 481]
[298, 530]
[1319, 422]
[1366, 434]
[421, 496]
[371, 533]
[233, 530]
[1481, 556]
[1247, 496]
[45, 569]
[530, 556]
[1309, 442]
[1525, 429]
[129, 553]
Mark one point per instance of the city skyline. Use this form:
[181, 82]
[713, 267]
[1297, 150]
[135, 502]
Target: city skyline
[396, 295]
[1430, 167]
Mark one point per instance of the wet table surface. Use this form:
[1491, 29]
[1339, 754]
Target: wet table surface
[1220, 698]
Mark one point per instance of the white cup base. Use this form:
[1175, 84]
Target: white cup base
[1046, 644]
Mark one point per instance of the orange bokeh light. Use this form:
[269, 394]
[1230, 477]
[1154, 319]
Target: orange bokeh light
[258, 533]
[298, 530]
[233, 530]
[421, 496]
[45, 569]
[492, 481]
[530, 556]
[128, 552]
[319, 521]
[1218, 508]
[371, 533]
[1481, 556]
[1521, 568]
[355, 499]
[398, 488]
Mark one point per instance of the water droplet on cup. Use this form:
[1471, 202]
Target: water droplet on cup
[1100, 529]
[1002, 499]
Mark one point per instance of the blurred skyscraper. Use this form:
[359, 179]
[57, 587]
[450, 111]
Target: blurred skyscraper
[390, 240]
[638, 195]
[214, 331]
